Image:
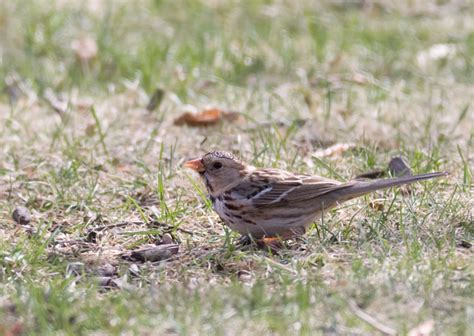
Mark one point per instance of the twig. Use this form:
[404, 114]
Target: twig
[184, 231]
[123, 224]
[370, 320]
[113, 226]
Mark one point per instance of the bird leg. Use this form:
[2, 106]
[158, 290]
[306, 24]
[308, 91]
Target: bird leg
[274, 243]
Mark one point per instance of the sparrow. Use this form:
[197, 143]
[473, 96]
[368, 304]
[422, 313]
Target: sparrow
[274, 203]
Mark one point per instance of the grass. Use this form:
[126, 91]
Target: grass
[80, 151]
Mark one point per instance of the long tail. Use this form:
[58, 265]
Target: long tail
[359, 188]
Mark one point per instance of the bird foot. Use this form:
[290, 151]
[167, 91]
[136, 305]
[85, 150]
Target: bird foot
[272, 243]
[245, 240]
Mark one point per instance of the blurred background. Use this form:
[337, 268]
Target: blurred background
[94, 44]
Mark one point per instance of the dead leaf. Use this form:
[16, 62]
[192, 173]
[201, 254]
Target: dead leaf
[155, 99]
[423, 329]
[166, 239]
[377, 204]
[208, 117]
[85, 48]
[337, 149]
[399, 167]
[153, 253]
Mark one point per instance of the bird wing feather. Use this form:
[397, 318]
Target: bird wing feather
[285, 190]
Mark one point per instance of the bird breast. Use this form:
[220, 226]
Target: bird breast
[243, 217]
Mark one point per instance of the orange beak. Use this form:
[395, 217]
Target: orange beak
[196, 165]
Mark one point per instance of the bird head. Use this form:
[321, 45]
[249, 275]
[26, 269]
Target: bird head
[219, 170]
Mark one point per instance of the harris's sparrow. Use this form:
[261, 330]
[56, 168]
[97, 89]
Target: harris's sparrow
[266, 203]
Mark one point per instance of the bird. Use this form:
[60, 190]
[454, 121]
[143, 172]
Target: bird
[273, 203]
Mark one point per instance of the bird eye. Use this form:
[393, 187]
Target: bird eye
[217, 165]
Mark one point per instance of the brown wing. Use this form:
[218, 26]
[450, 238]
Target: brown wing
[284, 188]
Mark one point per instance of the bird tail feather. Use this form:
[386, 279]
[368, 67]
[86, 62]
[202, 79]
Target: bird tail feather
[361, 188]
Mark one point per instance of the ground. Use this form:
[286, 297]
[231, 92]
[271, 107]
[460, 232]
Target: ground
[101, 175]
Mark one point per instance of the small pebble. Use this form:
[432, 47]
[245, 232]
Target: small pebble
[399, 167]
[106, 270]
[21, 215]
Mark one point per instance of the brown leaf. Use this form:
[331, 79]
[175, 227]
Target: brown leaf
[377, 205]
[206, 117]
[337, 149]
[155, 99]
